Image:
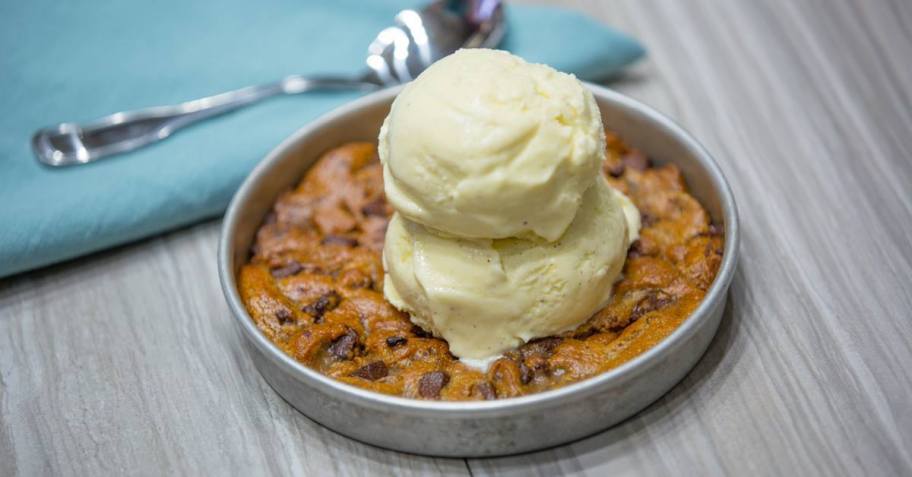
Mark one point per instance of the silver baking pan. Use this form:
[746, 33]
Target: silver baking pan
[485, 428]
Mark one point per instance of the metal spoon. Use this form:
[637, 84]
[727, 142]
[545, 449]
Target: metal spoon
[397, 55]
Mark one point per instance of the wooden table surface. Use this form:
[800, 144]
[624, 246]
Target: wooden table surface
[805, 104]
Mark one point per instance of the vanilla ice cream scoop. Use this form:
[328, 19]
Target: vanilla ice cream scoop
[486, 296]
[485, 145]
[504, 228]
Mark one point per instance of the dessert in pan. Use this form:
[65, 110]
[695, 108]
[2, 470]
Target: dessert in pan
[496, 242]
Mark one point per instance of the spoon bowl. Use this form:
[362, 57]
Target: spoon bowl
[400, 53]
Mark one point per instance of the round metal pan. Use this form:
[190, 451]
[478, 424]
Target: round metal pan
[485, 428]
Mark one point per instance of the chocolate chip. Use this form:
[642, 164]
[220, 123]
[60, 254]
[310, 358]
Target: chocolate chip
[648, 220]
[375, 207]
[636, 160]
[339, 240]
[394, 341]
[344, 346]
[326, 302]
[615, 169]
[419, 332]
[540, 347]
[487, 391]
[430, 384]
[372, 371]
[292, 268]
[525, 374]
[284, 316]
[651, 302]
[716, 229]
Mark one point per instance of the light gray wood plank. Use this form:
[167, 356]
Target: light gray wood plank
[127, 362]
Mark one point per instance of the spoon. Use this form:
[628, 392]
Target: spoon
[397, 55]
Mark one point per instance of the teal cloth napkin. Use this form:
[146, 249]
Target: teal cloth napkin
[75, 61]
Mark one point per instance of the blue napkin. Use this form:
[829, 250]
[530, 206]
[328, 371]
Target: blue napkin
[75, 61]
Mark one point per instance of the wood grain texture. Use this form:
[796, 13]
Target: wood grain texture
[808, 108]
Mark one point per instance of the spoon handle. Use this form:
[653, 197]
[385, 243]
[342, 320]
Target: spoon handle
[71, 143]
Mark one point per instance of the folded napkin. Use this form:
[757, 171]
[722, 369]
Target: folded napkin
[75, 61]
